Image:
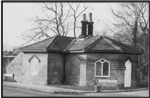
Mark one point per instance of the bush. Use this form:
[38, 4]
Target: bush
[55, 82]
[143, 83]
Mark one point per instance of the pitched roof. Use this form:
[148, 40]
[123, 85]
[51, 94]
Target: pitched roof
[120, 46]
[55, 43]
[99, 44]
[60, 43]
[81, 44]
[72, 45]
[39, 46]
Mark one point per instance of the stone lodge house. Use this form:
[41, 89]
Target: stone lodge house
[83, 61]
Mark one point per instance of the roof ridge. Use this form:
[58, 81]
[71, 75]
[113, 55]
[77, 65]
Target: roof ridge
[112, 44]
[124, 46]
[90, 45]
[69, 45]
[116, 40]
[54, 37]
[66, 36]
[57, 39]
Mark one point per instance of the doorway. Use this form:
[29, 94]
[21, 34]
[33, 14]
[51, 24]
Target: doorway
[127, 80]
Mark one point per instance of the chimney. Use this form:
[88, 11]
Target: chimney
[90, 25]
[84, 27]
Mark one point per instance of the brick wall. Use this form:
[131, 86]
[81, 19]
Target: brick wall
[55, 68]
[21, 67]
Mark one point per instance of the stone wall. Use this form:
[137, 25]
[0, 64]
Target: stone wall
[134, 74]
[72, 69]
[134, 60]
[55, 68]
[117, 69]
[21, 67]
[41, 78]
[116, 73]
[16, 67]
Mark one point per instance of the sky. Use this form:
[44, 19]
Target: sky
[16, 20]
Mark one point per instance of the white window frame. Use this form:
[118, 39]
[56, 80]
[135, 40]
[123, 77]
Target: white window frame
[102, 68]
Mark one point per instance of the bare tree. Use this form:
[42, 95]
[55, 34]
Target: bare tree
[133, 27]
[76, 13]
[132, 21]
[58, 18]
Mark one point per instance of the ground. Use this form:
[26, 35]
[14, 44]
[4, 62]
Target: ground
[11, 91]
[90, 88]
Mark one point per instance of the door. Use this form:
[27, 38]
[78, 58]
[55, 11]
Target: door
[127, 80]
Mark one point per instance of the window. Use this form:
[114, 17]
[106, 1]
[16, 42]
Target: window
[102, 68]
[34, 61]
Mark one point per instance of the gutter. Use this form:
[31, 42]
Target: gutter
[33, 51]
[104, 51]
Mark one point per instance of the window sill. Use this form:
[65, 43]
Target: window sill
[102, 76]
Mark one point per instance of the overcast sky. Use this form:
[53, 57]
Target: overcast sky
[16, 15]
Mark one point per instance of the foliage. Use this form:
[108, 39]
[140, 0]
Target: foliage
[142, 83]
[132, 27]
[15, 51]
[144, 58]
[8, 53]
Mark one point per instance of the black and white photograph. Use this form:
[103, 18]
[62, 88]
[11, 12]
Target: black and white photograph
[75, 49]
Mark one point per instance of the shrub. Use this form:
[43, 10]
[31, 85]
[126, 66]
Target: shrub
[55, 82]
[143, 83]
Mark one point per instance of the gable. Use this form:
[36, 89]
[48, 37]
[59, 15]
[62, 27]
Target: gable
[103, 45]
[106, 44]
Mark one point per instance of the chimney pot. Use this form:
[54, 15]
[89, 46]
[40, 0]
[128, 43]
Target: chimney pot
[84, 17]
[90, 17]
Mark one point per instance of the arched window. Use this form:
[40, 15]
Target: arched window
[102, 68]
[35, 62]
